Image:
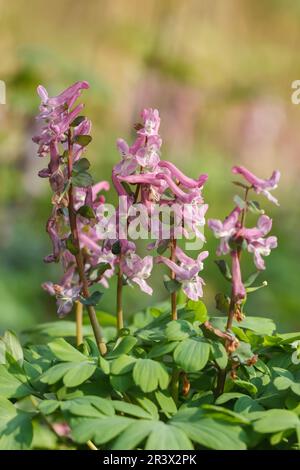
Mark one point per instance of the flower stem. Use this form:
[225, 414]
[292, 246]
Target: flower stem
[79, 259]
[232, 306]
[173, 295]
[120, 321]
[79, 336]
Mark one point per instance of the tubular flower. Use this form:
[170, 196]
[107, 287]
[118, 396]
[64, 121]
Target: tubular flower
[260, 185]
[225, 230]
[238, 289]
[256, 244]
[186, 272]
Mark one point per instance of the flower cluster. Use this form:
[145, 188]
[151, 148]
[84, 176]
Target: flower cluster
[159, 183]
[76, 200]
[234, 235]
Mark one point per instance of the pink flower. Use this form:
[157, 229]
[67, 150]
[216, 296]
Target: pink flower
[264, 225]
[137, 269]
[148, 156]
[238, 289]
[186, 272]
[259, 185]
[65, 296]
[256, 244]
[128, 164]
[225, 230]
[151, 122]
[67, 97]
[261, 247]
[181, 177]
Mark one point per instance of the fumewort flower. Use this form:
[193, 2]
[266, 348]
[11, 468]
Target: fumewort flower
[225, 230]
[137, 270]
[186, 271]
[259, 185]
[256, 243]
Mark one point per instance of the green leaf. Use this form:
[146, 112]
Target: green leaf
[165, 437]
[239, 202]
[134, 435]
[48, 407]
[205, 431]
[272, 421]
[87, 212]
[172, 285]
[261, 326]
[254, 207]
[149, 374]
[251, 279]
[122, 364]
[219, 354]
[104, 365]
[13, 346]
[130, 409]
[55, 373]
[177, 330]
[250, 387]
[162, 349]
[15, 427]
[123, 346]
[121, 383]
[89, 406]
[224, 269]
[81, 165]
[222, 302]
[199, 309]
[116, 248]
[71, 246]
[78, 120]
[92, 300]
[11, 386]
[65, 352]
[163, 246]
[100, 431]
[82, 140]
[78, 373]
[166, 402]
[247, 405]
[225, 397]
[192, 354]
[82, 179]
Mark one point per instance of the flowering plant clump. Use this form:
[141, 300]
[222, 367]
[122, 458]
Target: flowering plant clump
[172, 377]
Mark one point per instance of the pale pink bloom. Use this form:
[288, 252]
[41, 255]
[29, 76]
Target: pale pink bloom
[137, 269]
[65, 296]
[128, 164]
[261, 247]
[225, 230]
[256, 244]
[260, 185]
[151, 121]
[186, 272]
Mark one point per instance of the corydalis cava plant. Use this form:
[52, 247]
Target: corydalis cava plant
[143, 177]
[235, 237]
[63, 137]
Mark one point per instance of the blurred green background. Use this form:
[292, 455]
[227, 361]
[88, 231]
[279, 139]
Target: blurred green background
[219, 72]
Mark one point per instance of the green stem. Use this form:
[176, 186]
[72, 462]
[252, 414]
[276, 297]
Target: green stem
[174, 294]
[79, 259]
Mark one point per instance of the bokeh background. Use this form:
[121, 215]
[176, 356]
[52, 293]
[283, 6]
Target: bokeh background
[220, 73]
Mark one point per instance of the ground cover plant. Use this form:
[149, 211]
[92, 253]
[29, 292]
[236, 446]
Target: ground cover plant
[173, 376]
